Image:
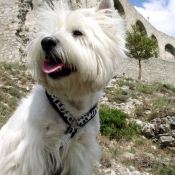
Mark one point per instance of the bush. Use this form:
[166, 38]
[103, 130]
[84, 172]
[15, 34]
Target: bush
[115, 125]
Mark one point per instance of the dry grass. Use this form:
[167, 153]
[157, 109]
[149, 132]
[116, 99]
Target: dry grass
[147, 155]
[156, 97]
[15, 83]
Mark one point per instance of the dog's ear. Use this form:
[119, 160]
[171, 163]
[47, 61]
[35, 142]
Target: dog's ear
[105, 4]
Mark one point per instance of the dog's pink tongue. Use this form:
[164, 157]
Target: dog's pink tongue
[49, 67]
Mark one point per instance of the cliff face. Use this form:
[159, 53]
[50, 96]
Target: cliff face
[13, 32]
[16, 18]
[9, 44]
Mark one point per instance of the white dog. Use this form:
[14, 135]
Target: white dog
[54, 129]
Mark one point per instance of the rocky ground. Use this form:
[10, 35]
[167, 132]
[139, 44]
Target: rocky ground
[150, 105]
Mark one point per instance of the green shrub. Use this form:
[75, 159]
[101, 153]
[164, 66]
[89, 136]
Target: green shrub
[115, 125]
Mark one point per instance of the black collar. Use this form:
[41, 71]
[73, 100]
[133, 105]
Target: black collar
[69, 118]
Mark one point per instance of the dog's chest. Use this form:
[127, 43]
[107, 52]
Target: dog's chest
[64, 148]
[73, 122]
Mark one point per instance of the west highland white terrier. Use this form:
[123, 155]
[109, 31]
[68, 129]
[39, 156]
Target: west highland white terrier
[54, 129]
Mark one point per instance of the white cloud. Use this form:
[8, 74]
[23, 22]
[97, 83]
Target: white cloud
[161, 14]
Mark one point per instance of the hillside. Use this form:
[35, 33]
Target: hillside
[134, 143]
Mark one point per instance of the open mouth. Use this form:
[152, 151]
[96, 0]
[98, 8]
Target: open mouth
[55, 68]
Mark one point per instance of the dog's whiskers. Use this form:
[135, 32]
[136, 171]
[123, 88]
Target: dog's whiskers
[54, 56]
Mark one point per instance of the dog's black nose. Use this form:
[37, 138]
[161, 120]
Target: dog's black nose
[48, 43]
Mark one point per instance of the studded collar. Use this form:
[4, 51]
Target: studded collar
[69, 118]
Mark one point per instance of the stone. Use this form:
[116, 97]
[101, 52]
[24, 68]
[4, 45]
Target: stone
[166, 141]
[109, 87]
[164, 120]
[164, 128]
[125, 87]
[164, 161]
[113, 172]
[108, 170]
[173, 133]
[131, 168]
[172, 122]
[149, 130]
[153, 147]
[161, 130]
[128, 155]
[150, 156]
[136, 173]
[139, 122]
[104, 99]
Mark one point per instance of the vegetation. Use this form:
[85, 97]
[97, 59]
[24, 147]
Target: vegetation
[140, 46]
[15, 82]
[156, 97]
[118, 133]
[114, 124]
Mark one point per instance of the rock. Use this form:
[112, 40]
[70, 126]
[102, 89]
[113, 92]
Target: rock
[149, 130]
[173, 133]
[124, 87]
[138, 122]
[161, 130]
[104, 99]
[164, 128]
[172, 149]
[164, 120]
[108, 170]
[127, 170]
[150, 156]
[128, 155]
[156, 121]
[164, 161]
[154, 147]
[131, 168]
[136, 173]
[113, 173]
[109, 87]
[166, 141]
[172, 122]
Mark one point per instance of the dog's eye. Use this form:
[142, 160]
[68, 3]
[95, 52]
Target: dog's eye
[77, 33]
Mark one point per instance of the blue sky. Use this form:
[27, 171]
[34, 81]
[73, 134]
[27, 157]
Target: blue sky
[160, 13]
[137, 3]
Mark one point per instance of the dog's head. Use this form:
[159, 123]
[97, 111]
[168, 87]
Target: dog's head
[76, 52]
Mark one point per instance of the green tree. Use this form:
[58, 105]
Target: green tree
[140, 46]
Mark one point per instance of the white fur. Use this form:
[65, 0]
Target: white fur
[33, 141]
